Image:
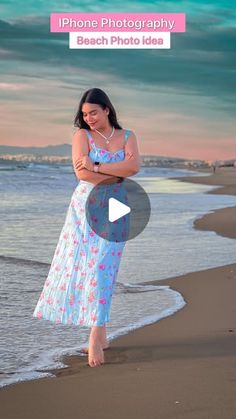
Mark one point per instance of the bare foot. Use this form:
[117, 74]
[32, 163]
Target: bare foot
[86, 350]
[95, 354]
[104, 343]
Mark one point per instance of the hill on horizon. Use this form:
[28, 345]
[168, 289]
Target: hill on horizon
[62, 150]
[50, 150]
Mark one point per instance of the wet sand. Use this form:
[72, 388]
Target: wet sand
[222, 221]
[183, 366]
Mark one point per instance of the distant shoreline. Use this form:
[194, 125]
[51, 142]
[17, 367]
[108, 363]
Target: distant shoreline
[160, 162]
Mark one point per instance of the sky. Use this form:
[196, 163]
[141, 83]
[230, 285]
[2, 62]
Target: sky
[179, 102]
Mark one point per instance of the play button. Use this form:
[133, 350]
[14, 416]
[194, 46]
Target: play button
[118, 212]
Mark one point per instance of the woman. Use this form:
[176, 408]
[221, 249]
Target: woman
[80, 283]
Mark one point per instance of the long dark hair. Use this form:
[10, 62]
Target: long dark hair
[99, 97]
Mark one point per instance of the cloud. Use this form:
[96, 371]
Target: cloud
[181, 95]
[200, 62]
[13, 86]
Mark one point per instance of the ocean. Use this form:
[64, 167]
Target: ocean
[33, 205]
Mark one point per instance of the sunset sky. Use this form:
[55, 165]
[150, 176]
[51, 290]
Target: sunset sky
[180, 102]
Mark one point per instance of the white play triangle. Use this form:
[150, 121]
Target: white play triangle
[116, 209]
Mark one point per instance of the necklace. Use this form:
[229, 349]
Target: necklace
[108, 139]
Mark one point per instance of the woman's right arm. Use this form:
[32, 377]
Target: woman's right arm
[80, 148]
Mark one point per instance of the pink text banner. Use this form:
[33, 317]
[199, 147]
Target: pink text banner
[117, 22]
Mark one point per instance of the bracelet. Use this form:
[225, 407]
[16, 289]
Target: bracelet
[96, 166]
[121, 179]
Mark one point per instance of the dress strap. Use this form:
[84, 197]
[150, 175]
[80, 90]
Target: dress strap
[90, 138]
[127, 132]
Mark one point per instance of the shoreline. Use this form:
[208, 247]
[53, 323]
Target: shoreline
[180, 366]
[225, 177]
[219, 221]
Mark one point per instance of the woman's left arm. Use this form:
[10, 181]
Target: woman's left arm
[127, 167]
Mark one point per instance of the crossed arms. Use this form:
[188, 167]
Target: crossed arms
[109, 172]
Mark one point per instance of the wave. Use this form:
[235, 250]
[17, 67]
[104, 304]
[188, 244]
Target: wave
[138, 288]
[14, 167]
[121, 288]
[19, 261]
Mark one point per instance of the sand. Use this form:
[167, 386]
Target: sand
[225, 177]
[222, 221]
[183, 366]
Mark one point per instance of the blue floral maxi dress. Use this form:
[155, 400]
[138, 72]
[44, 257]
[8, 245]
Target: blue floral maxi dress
[80, 283]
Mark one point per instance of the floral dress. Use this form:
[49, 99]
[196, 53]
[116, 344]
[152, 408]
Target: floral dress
[81, 279]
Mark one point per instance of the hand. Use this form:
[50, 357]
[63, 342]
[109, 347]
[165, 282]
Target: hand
[84, 163]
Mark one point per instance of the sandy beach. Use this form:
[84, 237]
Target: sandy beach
[221, 221]
[183, 366]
